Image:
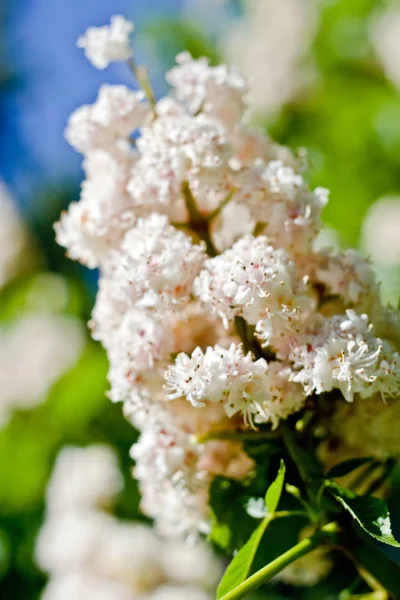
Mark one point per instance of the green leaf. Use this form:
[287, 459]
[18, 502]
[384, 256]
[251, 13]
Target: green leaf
[371, 513]
[370, 555]
[274, 491]
[347, 466]
[239, 568]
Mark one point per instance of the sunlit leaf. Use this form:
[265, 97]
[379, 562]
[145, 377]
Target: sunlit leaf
[274, 491]
[371, 513]
[239, 568]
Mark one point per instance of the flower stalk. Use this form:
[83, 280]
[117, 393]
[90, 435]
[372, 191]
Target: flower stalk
[326, 533]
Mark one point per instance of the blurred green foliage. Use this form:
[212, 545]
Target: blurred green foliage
[76, 411]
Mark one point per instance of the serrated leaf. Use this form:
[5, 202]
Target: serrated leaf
[239, 568]
[347, 466]
[274, 491]
[371, 513]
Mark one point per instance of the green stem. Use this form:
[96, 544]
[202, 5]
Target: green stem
[197, 222]
[250, 343]
[190, 202]
[143, 80]
[283, 514]
[296, 455]
[219, 208]
[251, 436]
[265, 574]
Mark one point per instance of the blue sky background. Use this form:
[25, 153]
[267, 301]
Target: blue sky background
[55, 78]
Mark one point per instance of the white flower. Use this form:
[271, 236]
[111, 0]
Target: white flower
[251, 279]
[282, 205]
[119, 109]
[348, 275]
[35, 352]
[176, 592]
[135, 351]
[194, 566]
[270, 42]
[380, 239]
[173, 491]
[97, 223]
[384, 35]
[156, 263]
[344, 355]
[86, 586]
[84, 134]
[174, 149]
[107, 44]
[71, 539]
[283, 396]
[220, 375]
[117, 112]
[83, 478]
[256, 508]
[233, 222]
[217, 91]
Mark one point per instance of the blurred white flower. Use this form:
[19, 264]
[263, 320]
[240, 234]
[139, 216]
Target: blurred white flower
[91, 555]
[83, 480]
[269, 44]
[380, 233]
[385, 37]
[109, 43]
[35, 352]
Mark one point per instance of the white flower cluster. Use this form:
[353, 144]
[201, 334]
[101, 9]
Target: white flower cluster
[91, 555]
[35, 351]
[216, 308]
[107, 44]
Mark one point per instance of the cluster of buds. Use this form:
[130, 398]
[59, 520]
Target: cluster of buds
[215, 307]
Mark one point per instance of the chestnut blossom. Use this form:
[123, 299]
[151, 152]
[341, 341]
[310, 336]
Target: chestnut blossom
[290, 211]
[220, 375]
[117, 112]
[348, 275]
[120, 109]
[252, 280]
[97, 223]
[155, 264]
[217, 91]
[107, 44]
[175, 471]
[346, 355]
[176, 149]
[217, 310]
